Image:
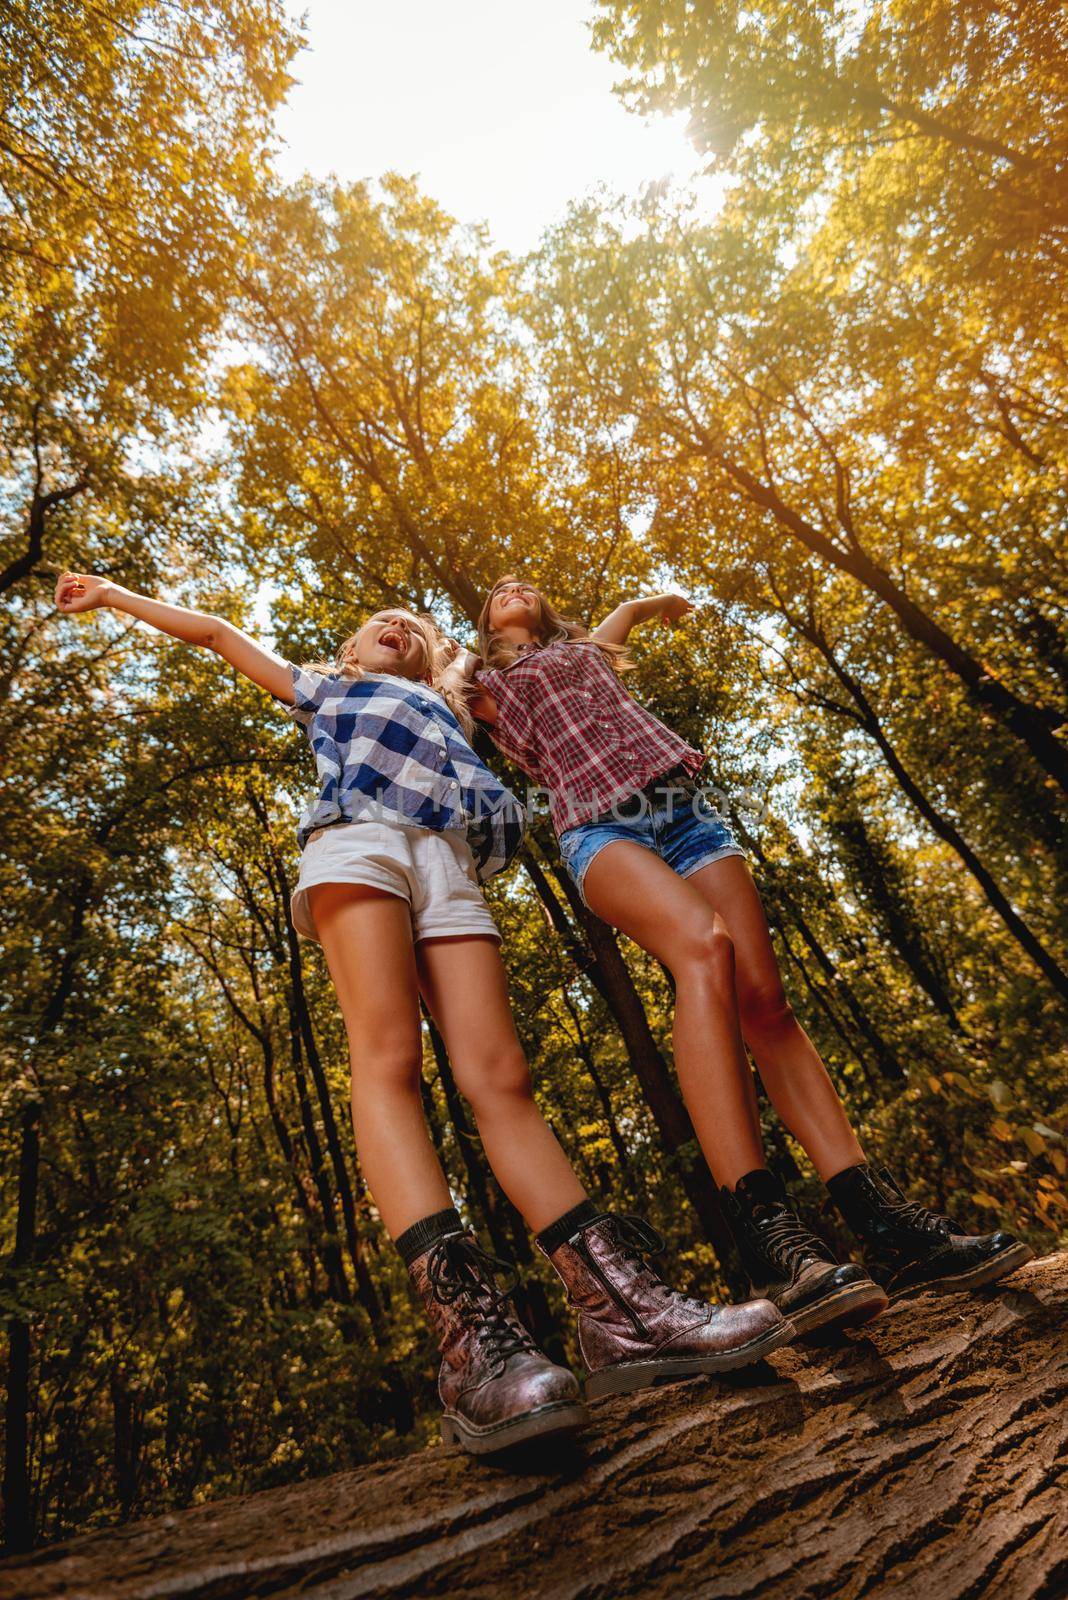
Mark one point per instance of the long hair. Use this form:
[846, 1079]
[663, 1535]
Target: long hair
[551, 628]
[438, 654]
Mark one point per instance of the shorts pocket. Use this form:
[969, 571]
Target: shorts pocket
[705, 809]
[570, 843]
[465, 861]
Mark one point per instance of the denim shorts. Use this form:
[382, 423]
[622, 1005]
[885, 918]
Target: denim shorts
[670, 816]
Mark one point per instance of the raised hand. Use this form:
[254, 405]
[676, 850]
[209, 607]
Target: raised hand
[81, 591]
[675, 607]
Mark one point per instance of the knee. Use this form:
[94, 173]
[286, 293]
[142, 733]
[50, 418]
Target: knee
[385, 1067]
[490, 1082]
[707, 948]
[764, 1007]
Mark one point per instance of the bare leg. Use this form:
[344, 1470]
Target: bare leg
[367, 940]
[464, 985]
[791, 1070]
[631, 887]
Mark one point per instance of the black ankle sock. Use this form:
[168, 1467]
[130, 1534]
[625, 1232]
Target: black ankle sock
[421, 1235]
[552, 1237]
[762, 1187]
[843, 1179]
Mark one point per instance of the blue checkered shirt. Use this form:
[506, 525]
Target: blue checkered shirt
[392, 751]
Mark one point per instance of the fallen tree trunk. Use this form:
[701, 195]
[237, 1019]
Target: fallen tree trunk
[916, 1458]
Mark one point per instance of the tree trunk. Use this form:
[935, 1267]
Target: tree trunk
[506, 1228]
[318, 1224]
[820, 996]
[874, 882]
[867, 718]
[608, 972]
[18, 1509]
[18, 1499]
[920, 1456]
[365, 1288]
[333, 1260]
[888, 1063]
[619, 1144]
[1033, 725]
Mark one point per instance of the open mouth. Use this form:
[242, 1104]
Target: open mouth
[394, 639]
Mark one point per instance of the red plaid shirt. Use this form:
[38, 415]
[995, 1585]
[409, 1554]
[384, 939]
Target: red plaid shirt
[564, 716]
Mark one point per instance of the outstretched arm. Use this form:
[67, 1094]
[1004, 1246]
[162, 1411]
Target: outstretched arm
[617, 625]
[81, 591]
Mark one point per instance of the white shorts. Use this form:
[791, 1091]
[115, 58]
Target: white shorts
[434, 872]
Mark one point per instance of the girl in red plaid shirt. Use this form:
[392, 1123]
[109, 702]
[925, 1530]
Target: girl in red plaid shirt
[648, 854]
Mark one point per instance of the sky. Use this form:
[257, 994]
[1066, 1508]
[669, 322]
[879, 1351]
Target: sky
[501, 108]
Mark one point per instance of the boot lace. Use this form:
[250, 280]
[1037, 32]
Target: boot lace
[909, 1213]
[457, 1269]
[638, 1240]
[788, 1242]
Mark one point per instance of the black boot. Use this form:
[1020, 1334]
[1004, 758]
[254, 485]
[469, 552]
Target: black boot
[788, 1265]
[908, 1247]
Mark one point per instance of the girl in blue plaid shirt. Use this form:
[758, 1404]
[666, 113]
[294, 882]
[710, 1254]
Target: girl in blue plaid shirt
[406, 820]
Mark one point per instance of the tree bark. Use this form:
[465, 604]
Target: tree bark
[320, 1223]
[871, 97]
[920, 1456]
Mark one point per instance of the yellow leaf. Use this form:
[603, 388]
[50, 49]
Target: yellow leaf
[1000, 1094]
[1060, 1162]
[1034, 1141]
[987, 1200]
[1001, 1129]
[935, 1085]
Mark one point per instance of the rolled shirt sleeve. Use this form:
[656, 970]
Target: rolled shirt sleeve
[309, 691]
[513, 731]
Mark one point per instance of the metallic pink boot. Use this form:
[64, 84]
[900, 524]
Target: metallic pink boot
[497, 1389]
[634, 1329]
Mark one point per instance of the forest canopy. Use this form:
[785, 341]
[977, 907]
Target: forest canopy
[831, 411]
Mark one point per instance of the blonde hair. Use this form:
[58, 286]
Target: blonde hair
[552, 628]
[443, 678]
